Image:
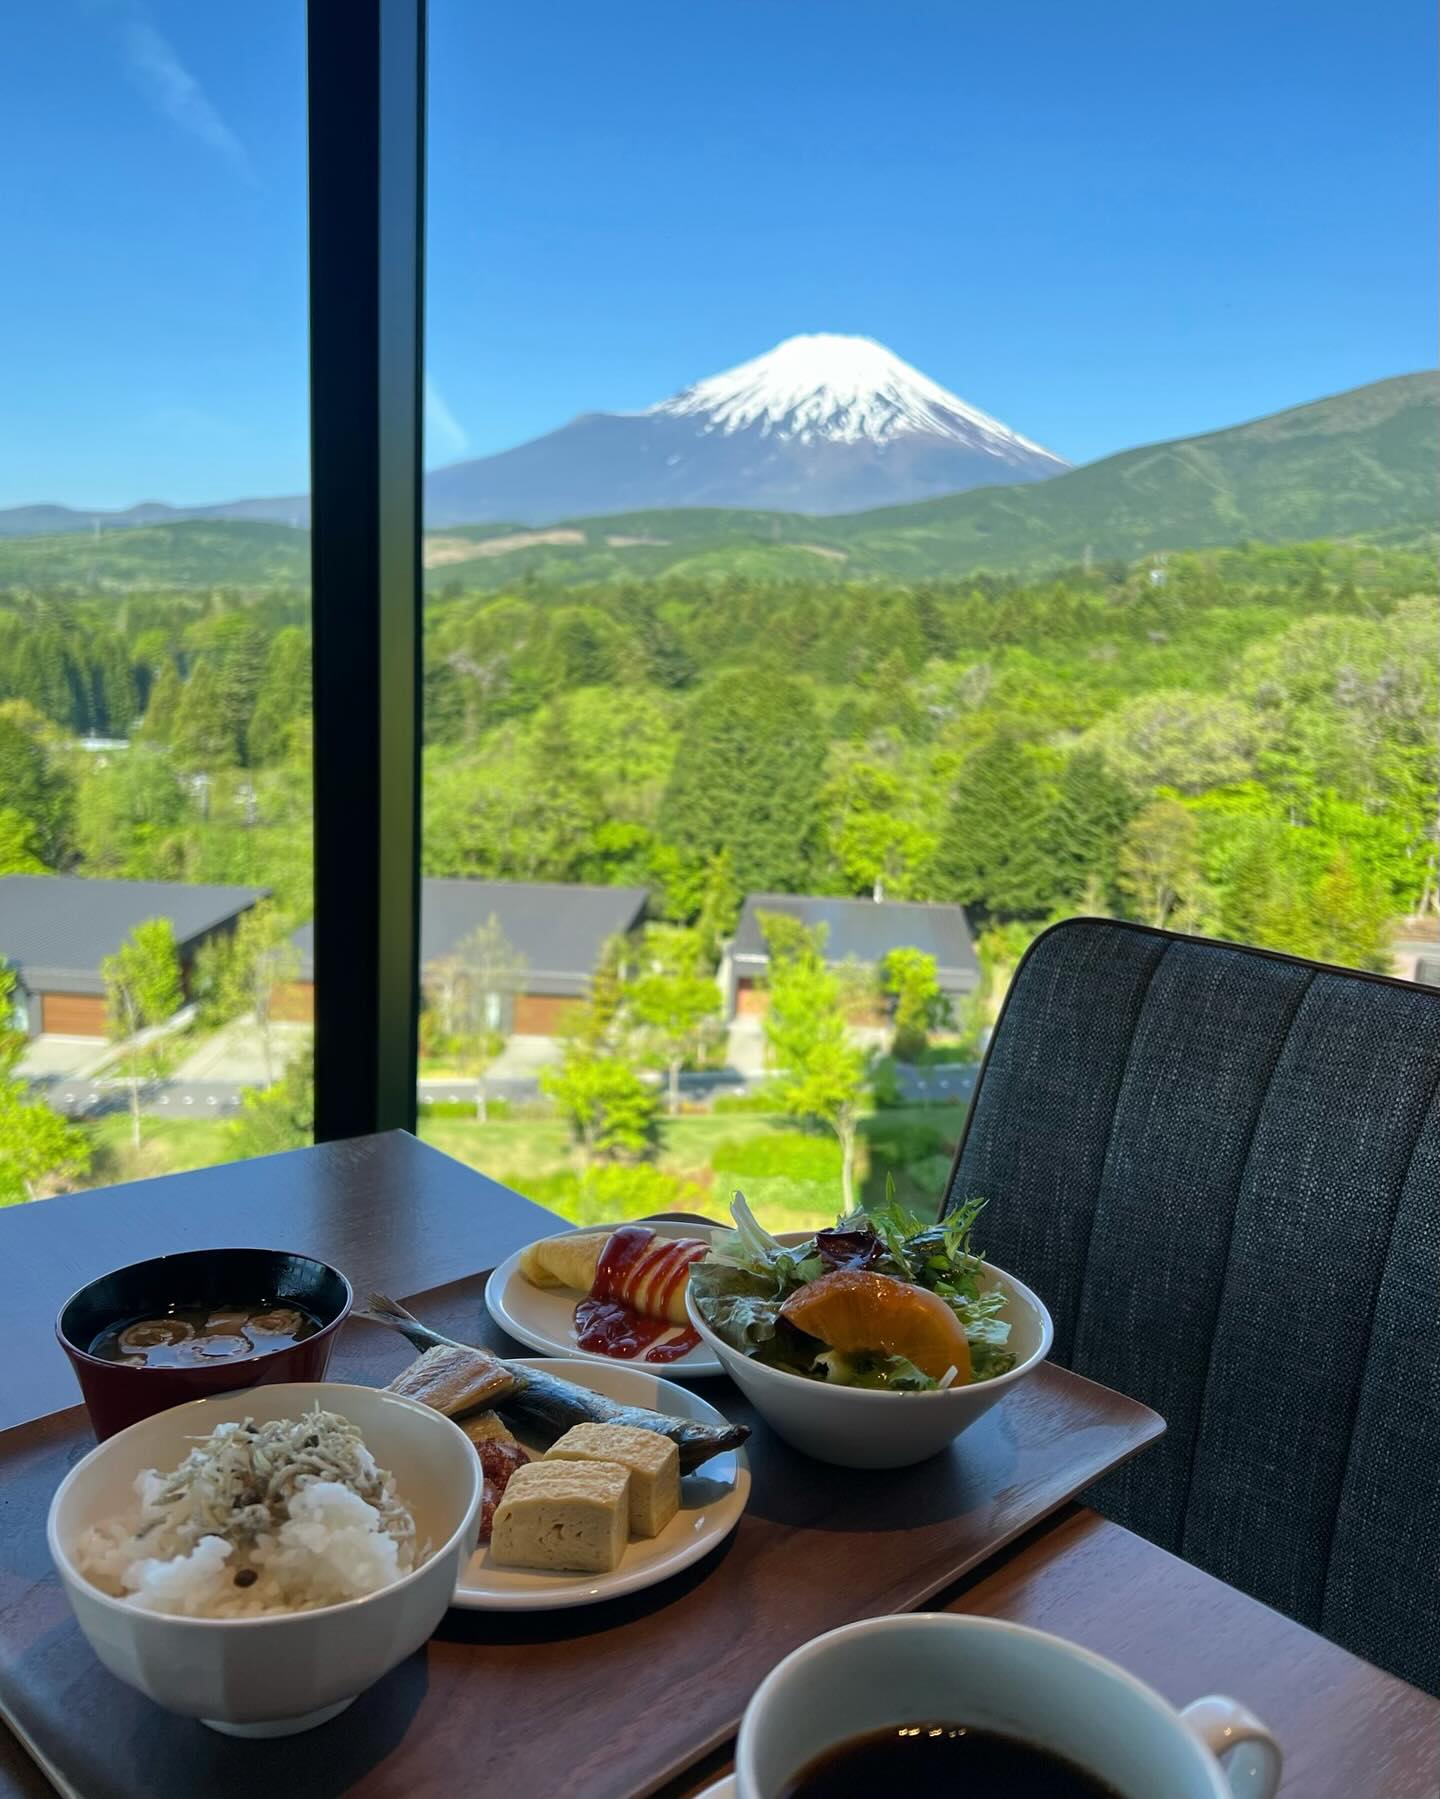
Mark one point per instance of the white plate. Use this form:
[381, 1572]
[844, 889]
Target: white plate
[544, 1317]
[724, 1788]
[711, 1501]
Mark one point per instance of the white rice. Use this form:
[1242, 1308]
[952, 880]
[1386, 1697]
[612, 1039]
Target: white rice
[328, 1545]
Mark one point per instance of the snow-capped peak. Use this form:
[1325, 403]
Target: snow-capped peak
[828, 388]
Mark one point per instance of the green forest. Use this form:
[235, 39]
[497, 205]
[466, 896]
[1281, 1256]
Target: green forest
[1239, 742]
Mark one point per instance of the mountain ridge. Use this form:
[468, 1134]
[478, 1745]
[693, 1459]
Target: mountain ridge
[826, 420]
[1354, 464]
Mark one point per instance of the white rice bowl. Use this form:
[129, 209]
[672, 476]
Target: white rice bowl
[333, 1547]
[322, 1545]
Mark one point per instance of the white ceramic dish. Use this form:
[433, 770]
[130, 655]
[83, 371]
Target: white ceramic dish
[855, 1427]
[711, 1501]
[544, 1317]
[275, 1675]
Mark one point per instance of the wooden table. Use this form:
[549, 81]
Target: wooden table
[391, 1211]
[1348, 1731]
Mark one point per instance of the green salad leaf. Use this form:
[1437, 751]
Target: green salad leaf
[888, 1372]
[749, 1274]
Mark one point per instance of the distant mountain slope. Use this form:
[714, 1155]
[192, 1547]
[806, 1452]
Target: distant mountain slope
[821, 423]
[1358, 462]
[47, 520]
[191, 553]
[1361, 463]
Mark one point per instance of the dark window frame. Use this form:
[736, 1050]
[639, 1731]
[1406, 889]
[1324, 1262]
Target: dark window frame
[366, 93]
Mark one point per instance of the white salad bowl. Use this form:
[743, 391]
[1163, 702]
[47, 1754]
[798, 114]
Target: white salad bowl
[275, 1675]
[858, 1427]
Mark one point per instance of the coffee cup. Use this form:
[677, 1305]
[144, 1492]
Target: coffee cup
[983, 1672]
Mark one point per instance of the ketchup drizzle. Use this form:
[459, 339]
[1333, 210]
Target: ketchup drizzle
[633, 1262]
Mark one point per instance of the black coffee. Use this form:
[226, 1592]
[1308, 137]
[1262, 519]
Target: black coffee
[943, 1758]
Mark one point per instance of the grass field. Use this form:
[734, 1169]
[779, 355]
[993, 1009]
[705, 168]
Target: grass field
[790, 1176]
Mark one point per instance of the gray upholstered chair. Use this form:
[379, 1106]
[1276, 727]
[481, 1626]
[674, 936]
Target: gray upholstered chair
[1221, 1169]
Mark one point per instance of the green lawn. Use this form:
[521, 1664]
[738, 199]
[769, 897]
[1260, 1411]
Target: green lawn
[167, 1146]
[790, 1176]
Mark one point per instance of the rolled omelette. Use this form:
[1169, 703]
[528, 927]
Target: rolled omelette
[632, 1264]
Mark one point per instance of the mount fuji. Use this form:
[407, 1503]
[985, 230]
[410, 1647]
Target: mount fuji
[819, 424]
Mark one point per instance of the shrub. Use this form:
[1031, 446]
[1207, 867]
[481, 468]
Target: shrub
[792, 1155]
[760, 1102]
[609, 1193]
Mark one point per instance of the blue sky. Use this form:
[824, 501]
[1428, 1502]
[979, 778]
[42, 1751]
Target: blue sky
[1105, 224]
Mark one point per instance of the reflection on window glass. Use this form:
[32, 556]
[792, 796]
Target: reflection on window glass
[154, 622]
[804, 630]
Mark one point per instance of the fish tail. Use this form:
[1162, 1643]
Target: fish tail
[389, 1312]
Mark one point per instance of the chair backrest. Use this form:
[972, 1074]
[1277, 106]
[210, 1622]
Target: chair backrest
[1221, 1169]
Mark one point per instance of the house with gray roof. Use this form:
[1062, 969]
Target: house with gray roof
[856, 930]
[56, 930]
[557, 931]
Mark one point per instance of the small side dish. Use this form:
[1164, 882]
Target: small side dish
[881, 1301]
[578, 1507]
[653, 1464]
[632, 1283]
[284, 1516]
[563, 1518]
[600, 1472]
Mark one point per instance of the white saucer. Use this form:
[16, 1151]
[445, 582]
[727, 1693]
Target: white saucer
[711, 1501]
[544, 1317]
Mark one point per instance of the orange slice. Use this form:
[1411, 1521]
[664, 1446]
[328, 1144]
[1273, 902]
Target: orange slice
[853, 1310]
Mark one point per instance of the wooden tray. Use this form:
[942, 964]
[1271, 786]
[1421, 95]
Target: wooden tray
[608, 1702]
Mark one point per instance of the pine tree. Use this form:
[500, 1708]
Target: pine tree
[994, 848]
[239, 671]
[747, 776]
[32, 785]
[19, 846]
[720, 901]
[115, 701]
[284, 697]
[895, 703]
[1091, 812]
[44, 674]
[166, 692]
[202, 737]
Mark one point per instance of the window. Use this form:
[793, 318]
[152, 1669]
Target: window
[889, 487]
[776, 694]
[155, 872]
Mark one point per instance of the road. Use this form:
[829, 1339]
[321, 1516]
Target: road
[950, 1084]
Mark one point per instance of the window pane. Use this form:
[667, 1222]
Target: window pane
[805, 630]
[154, 617]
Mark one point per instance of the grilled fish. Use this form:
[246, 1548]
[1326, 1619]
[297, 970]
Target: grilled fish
[530, 1395]
[453, 1379]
